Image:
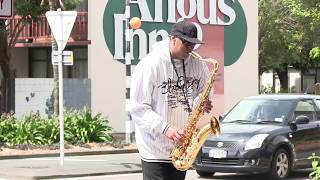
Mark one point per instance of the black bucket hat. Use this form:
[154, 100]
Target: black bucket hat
[186, 31]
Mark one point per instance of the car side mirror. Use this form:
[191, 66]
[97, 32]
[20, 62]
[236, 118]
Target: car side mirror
[302, 119]
[293, 126]
[220, 118]
[299, 120]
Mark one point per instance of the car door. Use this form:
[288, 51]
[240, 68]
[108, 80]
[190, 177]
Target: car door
[305, 136]
[317, 101]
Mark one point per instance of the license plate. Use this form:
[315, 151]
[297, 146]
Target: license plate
[217, 153]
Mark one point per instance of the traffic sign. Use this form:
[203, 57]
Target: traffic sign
[6, 7]
[61, 24]
[67, 58]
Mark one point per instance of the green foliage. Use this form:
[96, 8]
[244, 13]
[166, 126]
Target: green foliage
[283, 90]
[315, 54]
[80, 127]
[50, 131]
[68, 4]
[72, 4]
[266, 89]
[32, 130]
[29, 8]
[7, 122]
[288, 30]
[315, 173]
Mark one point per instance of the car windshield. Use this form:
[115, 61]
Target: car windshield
[259, 111]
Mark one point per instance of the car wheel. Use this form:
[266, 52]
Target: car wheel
[280, 165]
[205, 173]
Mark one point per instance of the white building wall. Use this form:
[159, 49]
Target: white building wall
[107, 75]
[241, 78]
[294, 80]
[267, 79]
[35, 95]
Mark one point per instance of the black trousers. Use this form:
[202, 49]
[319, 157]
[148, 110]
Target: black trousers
[161, 171]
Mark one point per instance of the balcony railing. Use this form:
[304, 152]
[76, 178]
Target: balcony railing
[39, 31]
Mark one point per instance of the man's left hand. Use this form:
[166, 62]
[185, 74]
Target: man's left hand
[206, 105]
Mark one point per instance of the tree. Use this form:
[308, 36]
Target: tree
[28, 10]
[287, 33]
[315, 57]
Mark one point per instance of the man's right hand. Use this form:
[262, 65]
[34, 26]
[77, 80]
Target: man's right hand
[175, 135]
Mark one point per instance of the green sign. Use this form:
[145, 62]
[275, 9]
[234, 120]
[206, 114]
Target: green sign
[221, 25]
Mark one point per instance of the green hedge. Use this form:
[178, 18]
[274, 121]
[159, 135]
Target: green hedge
[80, 127]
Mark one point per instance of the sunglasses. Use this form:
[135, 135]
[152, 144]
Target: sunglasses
[187, 43]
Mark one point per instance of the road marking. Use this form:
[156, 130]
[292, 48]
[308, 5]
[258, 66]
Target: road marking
[102, 177]
[57, 159]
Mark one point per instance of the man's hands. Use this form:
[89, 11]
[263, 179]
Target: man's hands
[206, 105]
[175, 135]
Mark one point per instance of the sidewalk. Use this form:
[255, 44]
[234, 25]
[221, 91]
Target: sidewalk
[76, 164]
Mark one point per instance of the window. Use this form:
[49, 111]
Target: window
[80, 63]
[305, 108]
[41, 66]
[318, 109]
[260, 110]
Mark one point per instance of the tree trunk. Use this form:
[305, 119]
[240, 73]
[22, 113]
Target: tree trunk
[316, 76]
[5, 68]
[283, 77]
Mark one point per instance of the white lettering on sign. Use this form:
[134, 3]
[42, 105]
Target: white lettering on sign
[195, 9]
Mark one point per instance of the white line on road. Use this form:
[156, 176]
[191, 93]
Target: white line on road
[57, 159]
[102, 177]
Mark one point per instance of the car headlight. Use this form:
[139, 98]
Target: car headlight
[255, 142]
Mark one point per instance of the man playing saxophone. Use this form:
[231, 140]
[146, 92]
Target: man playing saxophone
[164, 87]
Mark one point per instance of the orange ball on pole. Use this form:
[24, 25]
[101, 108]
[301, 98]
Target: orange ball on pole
[135, 23]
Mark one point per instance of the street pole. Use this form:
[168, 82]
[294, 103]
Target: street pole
[61, 118]
[61, 23]
[128, 74]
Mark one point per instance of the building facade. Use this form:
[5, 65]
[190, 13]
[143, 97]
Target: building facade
[230, 30]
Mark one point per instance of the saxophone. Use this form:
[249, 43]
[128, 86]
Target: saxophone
[184, 155]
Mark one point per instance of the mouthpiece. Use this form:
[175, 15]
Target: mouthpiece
[195, 55]
[199, 57]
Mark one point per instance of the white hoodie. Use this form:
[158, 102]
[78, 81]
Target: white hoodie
[157, 99]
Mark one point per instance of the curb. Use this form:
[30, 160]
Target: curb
[77, 153]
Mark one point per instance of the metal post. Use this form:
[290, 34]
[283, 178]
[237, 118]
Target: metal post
[61, 118]
[128, 68]
[56, 18]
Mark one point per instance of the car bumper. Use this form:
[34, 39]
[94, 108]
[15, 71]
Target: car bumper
[231, 168]
[250, 162]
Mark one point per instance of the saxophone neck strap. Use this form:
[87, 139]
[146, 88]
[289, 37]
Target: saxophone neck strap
[184, 88]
